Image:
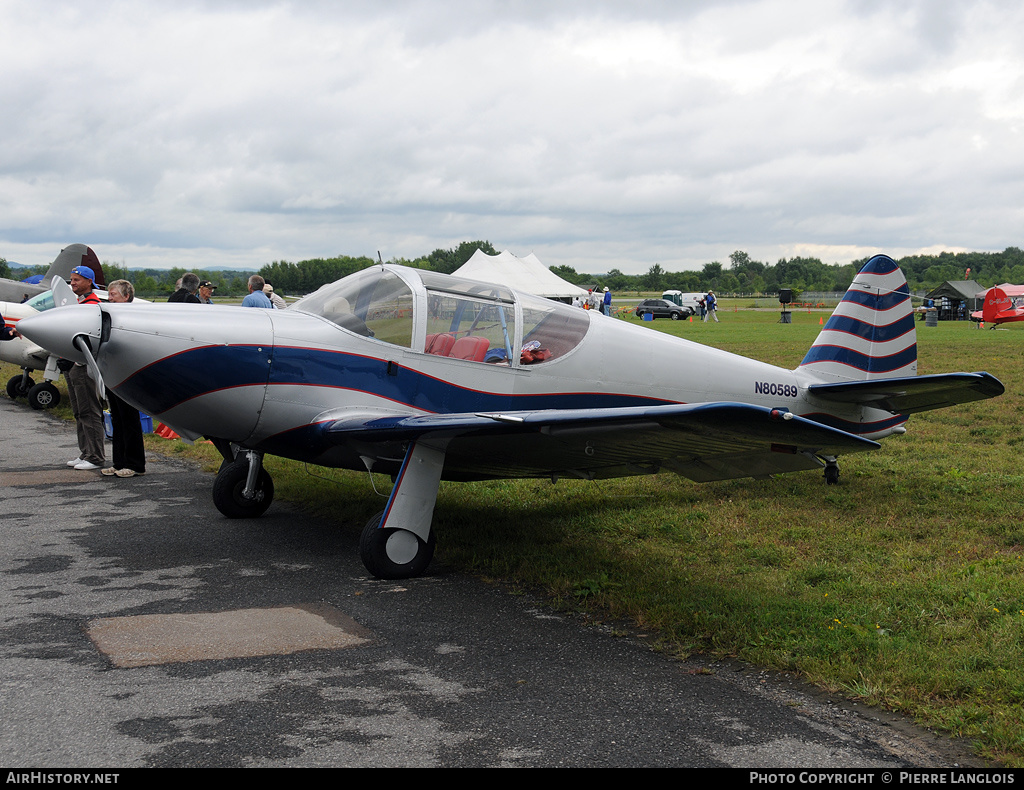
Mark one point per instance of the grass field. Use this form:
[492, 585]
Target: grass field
[902, 587]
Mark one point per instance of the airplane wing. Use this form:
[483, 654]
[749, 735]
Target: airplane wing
[914, 393]
[701, 441]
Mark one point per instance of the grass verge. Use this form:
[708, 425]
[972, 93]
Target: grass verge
[902, 587]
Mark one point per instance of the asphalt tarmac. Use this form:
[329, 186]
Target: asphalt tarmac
[140, 628]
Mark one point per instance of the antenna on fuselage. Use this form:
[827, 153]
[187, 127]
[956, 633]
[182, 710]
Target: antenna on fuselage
[380, 259]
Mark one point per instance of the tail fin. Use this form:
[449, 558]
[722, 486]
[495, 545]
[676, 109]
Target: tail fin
[871, 334]
[71, 256]
[996, 302]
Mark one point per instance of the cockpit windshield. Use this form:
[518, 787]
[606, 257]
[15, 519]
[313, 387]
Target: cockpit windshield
[463, 319]
[373, 303]
[41, 302]
[550, 329]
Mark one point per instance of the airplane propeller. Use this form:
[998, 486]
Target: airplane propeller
[81, 342]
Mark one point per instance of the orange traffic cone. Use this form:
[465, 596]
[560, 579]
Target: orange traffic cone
[167, 433]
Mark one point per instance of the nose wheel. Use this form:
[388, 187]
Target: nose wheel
[243, 489]
[43, 396]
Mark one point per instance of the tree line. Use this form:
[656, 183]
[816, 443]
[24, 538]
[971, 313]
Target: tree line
[741, 274]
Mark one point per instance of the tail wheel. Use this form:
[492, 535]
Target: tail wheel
[228, 491]
[394, 553]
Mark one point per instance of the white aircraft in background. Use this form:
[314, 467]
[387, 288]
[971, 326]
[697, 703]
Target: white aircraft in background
[17, 291]
[426, 376]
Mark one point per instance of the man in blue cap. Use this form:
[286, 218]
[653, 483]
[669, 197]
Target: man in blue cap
[85, 402]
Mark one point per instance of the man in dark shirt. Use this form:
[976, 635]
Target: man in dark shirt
[187, 292]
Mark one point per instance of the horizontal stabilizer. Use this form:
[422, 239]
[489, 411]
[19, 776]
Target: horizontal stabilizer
[701, 441]
[912, 393]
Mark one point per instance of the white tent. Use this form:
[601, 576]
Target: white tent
[524, 274]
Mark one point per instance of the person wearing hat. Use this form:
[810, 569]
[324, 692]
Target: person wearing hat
[206, 289]
[275, 300]
[85, 402]
[606, 306]
[712, 311]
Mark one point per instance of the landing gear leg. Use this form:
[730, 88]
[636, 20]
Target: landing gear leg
[831, 471]
[398, 543]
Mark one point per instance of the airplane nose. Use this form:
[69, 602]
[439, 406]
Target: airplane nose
[56, 329]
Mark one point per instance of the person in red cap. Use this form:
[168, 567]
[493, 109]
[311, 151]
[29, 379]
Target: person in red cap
[85, 402]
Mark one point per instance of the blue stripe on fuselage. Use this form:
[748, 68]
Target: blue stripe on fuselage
[174, 380]
[178, 378]
[857, 428]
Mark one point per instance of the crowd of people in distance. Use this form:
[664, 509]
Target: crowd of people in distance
[602, 302]
[595, 300]
[192, 290]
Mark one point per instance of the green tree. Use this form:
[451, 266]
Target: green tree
[710, 274]
[447, 261]
[654, 280]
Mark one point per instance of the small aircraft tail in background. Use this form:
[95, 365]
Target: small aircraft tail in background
[71, 256]
[871, 334]
[1000, 306]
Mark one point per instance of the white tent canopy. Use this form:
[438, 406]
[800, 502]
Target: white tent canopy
[524, 274]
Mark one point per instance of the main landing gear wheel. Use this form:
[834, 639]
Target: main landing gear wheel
[831, 473]
[394, 553]
[43, 396]
[17, 387]
[229, 489]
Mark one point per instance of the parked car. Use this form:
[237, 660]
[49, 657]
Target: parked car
[662, 308]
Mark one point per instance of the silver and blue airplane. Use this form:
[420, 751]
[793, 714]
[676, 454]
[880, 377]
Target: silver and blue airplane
[429, 377]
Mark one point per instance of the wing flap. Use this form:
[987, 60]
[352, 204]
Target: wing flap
[913, 393]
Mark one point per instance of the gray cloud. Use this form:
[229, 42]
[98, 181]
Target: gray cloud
[598, 135]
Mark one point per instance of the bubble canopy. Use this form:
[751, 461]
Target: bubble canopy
[450, 316]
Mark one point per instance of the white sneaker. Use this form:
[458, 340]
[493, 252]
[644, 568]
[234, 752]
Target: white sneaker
[85, 465]
[75, 461]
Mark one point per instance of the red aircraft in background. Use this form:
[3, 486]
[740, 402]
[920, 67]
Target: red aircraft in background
[1002, 305]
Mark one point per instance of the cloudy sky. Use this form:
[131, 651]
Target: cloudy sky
[595, 134]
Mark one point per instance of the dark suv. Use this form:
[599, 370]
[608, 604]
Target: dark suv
[662, 308]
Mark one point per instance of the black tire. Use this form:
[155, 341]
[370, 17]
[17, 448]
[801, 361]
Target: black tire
[373, 550]
[43, 396]
[676, 316]
[15, 389]
[831, 475]
[228, 488]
